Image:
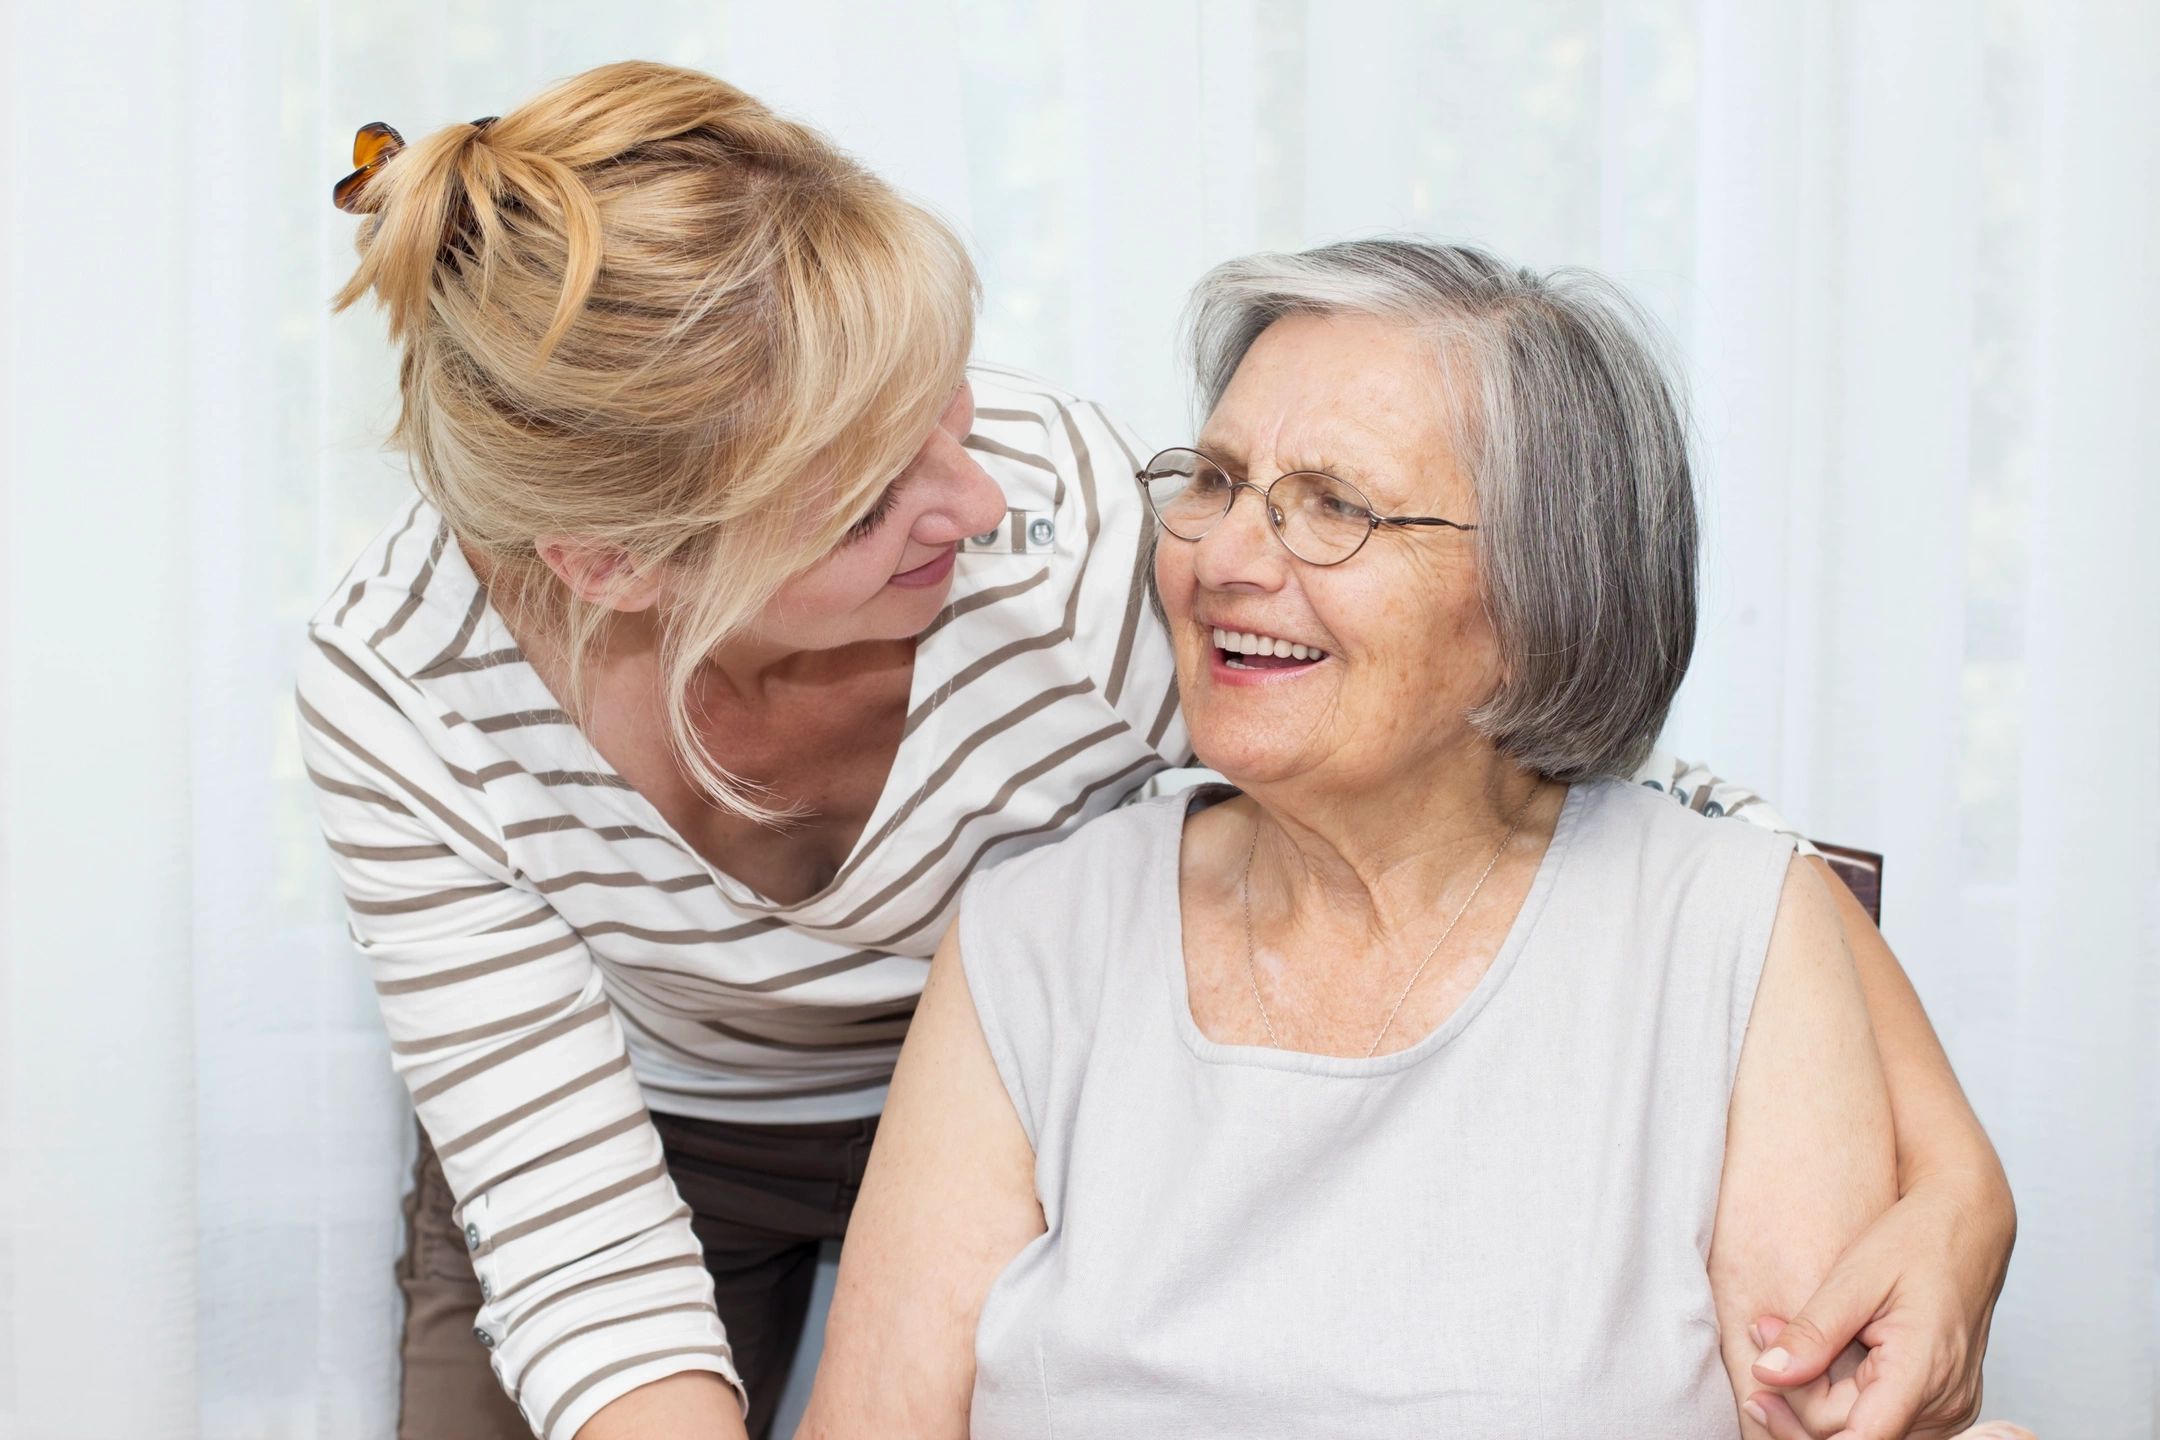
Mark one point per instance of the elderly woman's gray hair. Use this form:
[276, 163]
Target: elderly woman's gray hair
[1573, 437]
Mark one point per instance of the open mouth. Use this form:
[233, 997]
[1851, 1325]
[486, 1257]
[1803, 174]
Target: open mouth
[1247, 650]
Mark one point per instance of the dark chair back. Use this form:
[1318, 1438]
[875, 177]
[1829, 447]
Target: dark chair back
[1861, 870]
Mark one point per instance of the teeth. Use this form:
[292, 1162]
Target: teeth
[1244, 642]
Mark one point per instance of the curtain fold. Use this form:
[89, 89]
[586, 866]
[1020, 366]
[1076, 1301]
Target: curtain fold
[99, 1037]
[1903, 254]
[2077, 1322]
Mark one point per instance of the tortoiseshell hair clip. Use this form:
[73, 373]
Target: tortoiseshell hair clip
[372, 148]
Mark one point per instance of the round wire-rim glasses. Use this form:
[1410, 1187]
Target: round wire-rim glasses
[1318, 518]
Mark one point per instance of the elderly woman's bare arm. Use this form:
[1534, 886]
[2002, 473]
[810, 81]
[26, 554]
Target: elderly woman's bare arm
[1919, 1287]
[948, 1201]
[1810, 1085]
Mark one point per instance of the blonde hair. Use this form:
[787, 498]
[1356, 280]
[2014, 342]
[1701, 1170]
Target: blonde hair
[645, 312]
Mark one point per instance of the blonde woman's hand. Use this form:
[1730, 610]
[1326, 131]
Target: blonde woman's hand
[1785, 1423]
[1915, 1294]
[1823, 1407]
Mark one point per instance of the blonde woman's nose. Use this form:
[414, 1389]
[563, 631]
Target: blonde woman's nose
[972, 503]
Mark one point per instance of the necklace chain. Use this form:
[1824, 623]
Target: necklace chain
[1252, 970]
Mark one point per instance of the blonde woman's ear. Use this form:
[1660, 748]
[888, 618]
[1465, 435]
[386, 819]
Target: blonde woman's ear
[599, 575]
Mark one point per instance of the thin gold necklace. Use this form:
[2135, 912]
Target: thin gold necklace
[1252, 971]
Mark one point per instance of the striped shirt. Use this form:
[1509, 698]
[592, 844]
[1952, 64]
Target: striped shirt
[552, 958]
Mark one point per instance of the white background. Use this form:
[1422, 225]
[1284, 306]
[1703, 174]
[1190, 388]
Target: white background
[1904, 251]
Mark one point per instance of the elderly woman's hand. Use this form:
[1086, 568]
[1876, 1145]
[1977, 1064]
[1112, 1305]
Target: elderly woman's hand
[1916, 1292]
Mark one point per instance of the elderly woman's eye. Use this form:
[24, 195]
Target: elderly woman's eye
[1329, 505]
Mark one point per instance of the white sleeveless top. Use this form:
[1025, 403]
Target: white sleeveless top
[1500, 1231]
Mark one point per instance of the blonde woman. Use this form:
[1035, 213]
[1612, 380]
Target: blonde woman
[736, 624]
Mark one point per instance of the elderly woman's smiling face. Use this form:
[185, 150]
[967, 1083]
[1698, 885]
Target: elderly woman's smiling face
[1407, 647]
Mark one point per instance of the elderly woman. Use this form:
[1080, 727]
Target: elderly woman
[1435, 1080]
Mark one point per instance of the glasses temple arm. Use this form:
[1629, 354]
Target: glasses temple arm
[1401, 520]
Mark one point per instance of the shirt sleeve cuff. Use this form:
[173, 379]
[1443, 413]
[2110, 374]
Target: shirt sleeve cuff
[589, 1370]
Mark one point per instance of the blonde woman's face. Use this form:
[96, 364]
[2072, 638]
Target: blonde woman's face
[890, 576]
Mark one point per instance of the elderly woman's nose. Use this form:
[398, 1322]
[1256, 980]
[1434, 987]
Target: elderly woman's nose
[1241, 547]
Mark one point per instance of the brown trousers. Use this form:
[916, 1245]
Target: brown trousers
[761, 1198]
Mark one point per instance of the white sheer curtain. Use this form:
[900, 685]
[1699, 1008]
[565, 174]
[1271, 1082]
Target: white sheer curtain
[1904, 253]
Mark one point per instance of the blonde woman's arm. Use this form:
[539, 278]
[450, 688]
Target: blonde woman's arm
[948, 1201]
[499, 1023]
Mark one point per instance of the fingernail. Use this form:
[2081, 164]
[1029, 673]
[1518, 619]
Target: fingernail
[1774, 1359]
[1755, 1413]
[1755, 1334]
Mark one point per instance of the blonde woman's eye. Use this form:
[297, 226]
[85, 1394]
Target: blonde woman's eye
[862, 529]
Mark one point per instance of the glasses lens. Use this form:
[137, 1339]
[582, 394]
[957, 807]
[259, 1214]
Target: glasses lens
[1188, 491]
[1322, 519]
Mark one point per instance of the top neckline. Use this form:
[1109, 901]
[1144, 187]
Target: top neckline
[1170, 956]
[904, 780]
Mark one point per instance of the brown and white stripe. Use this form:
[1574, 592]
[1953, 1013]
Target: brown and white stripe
[551, 959]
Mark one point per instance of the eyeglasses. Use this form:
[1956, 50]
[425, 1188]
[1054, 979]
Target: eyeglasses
[1318, 518]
